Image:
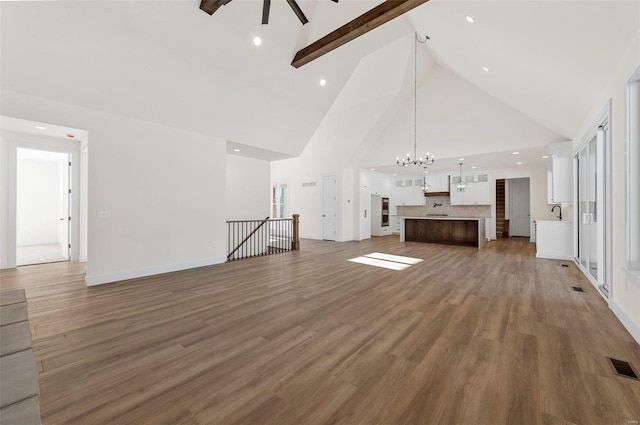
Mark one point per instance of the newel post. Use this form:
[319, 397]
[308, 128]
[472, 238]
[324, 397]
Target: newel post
[295, 242]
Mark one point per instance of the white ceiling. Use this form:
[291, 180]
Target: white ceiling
[169, 62]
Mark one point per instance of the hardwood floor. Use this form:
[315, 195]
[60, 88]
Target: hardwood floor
[491, 336]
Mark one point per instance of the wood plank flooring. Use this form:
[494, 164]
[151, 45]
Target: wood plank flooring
[483, 337]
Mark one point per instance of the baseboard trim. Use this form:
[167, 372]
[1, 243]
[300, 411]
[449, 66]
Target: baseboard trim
[150, 271]
[553, 256]
[4, 266]
[627, 322]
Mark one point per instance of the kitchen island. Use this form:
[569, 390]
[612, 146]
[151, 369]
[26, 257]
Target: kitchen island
[467, 231]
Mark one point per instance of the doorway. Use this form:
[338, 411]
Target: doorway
[519, 207]
[329, 208]
[42, 206]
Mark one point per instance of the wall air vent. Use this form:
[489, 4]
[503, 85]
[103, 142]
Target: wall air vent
[309, 184]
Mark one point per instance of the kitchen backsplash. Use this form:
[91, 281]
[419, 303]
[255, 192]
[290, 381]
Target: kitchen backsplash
[445, 208]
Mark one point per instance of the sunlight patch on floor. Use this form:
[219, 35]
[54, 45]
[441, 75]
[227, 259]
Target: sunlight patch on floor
[386, 261]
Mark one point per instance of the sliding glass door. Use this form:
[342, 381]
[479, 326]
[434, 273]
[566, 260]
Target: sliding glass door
[590, 227]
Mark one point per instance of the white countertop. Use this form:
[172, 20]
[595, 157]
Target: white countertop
[442, 218]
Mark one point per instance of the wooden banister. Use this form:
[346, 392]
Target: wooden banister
[295, 241]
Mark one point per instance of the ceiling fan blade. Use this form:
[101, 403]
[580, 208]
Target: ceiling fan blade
[210, 6]
[266, 6]
[296, 9]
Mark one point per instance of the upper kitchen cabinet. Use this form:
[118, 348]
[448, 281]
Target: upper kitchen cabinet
[438, 184]
[560, 174]
[477, 190]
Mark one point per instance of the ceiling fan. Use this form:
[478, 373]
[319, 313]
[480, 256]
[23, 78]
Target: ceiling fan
[210, 6]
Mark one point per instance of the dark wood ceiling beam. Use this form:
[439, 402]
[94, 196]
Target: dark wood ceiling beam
[364, 23]
[210, 6]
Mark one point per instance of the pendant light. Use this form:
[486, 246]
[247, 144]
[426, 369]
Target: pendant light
[461, 186]
[425, 185]
[429, 159]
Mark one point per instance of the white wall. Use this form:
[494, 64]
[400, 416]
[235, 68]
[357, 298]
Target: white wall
[39, 202]
[164, 187]
[625, 295]
[361, 111]
[247, 189]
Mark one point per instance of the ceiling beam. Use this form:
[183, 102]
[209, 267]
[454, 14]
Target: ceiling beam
[372, 19]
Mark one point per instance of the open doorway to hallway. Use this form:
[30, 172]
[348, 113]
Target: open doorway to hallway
[42, 206]
[519, 207]
[43, 188]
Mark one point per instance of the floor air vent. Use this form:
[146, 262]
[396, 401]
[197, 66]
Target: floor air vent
[565, 265]
[623, 368]
[577, 289]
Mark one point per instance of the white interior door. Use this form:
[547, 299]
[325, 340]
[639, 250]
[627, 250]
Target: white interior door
[329, 208]
[519, 216]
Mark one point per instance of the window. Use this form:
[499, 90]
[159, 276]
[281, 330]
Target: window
[633, 179]
[280, 201]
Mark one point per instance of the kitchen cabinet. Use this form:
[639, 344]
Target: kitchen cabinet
[408, 191]
[415, 230]
[554, 239]
[395, 224]
[560, 173]
[438, 183]
[477, 191]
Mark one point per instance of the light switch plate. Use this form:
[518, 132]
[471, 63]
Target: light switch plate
[104, 214]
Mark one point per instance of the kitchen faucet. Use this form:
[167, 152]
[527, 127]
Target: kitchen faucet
[436, 205]
[557, 206]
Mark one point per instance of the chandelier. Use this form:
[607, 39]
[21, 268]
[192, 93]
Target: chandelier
[461, 186]
[429, 159]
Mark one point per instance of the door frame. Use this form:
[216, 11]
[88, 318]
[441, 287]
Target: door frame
[77, 233]
[602, 120]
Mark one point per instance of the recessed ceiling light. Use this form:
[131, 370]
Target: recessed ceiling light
[395, 174]
[257, 41]
[515, 153]
[485, 68]
[236, 150]
[470, 19]
[373, 169]
[323, 82]
[39, 127]
[519, 163]
[473, 167]
[460, 159]
[545, 156]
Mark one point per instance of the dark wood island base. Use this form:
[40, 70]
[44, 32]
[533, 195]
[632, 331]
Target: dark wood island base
[444, 230]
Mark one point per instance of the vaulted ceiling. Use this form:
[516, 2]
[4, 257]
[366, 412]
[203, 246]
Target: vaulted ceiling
[168, 62]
